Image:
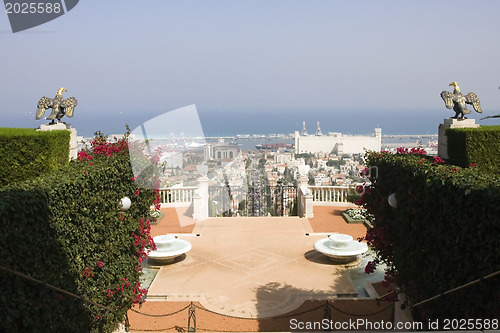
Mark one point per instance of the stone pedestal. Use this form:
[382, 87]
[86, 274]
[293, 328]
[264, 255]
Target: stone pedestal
[451, 123]
[305, 198]
[200, 199]
[72, 139]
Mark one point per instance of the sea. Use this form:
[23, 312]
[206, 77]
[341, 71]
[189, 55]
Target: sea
[259, 126]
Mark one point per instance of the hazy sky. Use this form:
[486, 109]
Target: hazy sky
[128, 59]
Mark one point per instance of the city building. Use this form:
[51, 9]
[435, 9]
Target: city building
[221, 151]
[337, 143]
[171, 160]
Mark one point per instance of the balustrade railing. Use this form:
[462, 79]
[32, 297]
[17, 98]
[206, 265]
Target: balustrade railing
[320, 195]
[177, 196]
[330, 194]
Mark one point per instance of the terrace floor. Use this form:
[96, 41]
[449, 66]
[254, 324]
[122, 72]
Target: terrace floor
[248, 267]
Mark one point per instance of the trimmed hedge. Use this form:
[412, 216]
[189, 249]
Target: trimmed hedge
[475, 145]
[26, 153]
[67, 229]
[443, 233]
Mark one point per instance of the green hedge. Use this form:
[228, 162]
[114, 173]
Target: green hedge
[26, 153]
[443, 233]
[475, 145]
[66, 229]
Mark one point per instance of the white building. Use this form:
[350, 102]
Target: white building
[281, 158]
[221, 151]
[337, 143]
[171, 160]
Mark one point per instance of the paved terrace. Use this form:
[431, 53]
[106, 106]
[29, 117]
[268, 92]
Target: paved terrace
[249, 267]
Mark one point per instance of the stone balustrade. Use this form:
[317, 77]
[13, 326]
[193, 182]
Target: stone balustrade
[307, 197]
[177, 196]
[330, 195]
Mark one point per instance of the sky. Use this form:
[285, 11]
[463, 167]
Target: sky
[382, 62]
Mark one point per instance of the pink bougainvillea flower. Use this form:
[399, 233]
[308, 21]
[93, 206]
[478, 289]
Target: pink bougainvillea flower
[419, 151]
[83, 156]
[370, 267]
[360, 189]
[438, 160]
[87, 273]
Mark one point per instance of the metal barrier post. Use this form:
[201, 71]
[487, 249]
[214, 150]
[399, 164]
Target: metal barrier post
[127, 323]
[192, 314]
[327, 315]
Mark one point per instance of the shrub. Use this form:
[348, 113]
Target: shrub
[442, 234]
[67, 229]
[26, 153]
[480, 146]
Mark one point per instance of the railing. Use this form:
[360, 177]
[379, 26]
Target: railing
[308, 197]
[177, 196]
[278, 200]
[330, 194]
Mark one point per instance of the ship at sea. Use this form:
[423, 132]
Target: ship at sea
[278, 145]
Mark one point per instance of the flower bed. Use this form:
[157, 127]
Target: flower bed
[355, 215]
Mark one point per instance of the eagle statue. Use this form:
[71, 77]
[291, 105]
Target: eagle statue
[60, 107]
[458, 101]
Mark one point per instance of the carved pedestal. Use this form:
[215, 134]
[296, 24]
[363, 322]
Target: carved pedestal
[451, 123]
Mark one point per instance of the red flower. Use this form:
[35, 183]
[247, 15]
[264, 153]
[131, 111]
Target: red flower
[100, 263]
[402, 150]
[419, 151]
[360, 189]
[370, 267]
[454, 169]
[87, 273]
[365, 172]
[438, 160]
[472, 165]
[82, 156]
[137, 192]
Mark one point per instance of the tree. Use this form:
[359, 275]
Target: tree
[332, 163]
[311, 181]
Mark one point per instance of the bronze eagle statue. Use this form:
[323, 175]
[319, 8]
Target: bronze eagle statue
[60, 107]
[458, 101]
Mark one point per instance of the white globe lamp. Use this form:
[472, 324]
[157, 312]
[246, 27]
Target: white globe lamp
[125, 203]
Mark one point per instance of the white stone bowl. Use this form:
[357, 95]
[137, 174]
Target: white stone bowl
[168, 248]
[340, 248]
[340, 240]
